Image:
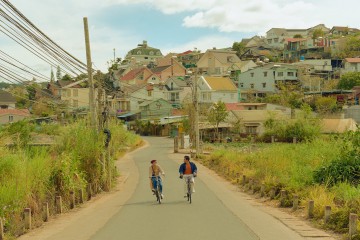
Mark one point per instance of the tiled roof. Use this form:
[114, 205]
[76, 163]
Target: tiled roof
[159, 69]
[6, 97]
[19, 112]
[233, 106]
[352, 60]
[221, 83]
[132, 74]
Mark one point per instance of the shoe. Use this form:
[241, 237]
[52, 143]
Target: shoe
[162, 196]
[153, 191]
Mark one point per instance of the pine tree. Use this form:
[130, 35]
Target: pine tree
[58, 73]
[52, 77]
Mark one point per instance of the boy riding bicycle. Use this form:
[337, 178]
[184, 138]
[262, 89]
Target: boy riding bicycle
[154, 174]
[188, 170]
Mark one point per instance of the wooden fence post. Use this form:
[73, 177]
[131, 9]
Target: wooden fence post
[243, 180]
[27, 214]
[1, 230]
[272, 193]
[294, 139]
[81, 195]
[46, 213]
[282, 198]
[262, 190]
[327, 213]
[311, 209]
[352, 225]
[272, 139]
[295, 202]
[176, 144]
[72, 200]
[89, 191]
[182, 140]
[58, 201]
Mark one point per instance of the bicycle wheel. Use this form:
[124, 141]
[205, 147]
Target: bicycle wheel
[189, 191]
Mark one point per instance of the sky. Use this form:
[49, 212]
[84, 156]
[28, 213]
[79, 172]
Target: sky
[117, 26]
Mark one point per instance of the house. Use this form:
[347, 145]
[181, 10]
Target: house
[156, 109]
[143, 54]
[222, 62]
[177, 89]
[276, 37]
[139, 76]
[167, 68]
[350, 65]
[263, 80]
[130, 98]
[189, 58]
[214, 89]
[7, 100]
[10, 115]
[252, 121]
[343, 31]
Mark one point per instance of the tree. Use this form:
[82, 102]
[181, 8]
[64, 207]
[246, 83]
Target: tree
[239, 47]
[298, 36]
[325, 105]
[58, 73]
[52, 77]
[352, 46]
[217, 114]
[349, 80]
[317, 33]
[66, 77]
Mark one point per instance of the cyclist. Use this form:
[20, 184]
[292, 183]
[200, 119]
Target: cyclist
[154, 172]
[188, 170]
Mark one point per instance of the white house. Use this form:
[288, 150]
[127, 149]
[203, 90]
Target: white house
[214, 89]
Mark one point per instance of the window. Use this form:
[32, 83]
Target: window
[269, 41]
[75, 92]
[146, 58]
[241, 84]
[251, 85]
[264, 85]
[158, 53]
[63, 93]
[151, 53]
[280, 74]
[149, 93]
[138, 53]
[252, 74]
[209, 96]
[265, 74]
[276, 40]
[68, 92]
[11, 118]
[290, 74]
[251, 129]
[75, 103]
[204, 96]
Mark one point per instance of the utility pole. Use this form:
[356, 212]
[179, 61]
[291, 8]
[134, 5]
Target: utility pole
[90, 77]
[196, 103]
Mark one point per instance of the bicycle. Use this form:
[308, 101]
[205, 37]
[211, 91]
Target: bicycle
[157, 190]
[189, 188]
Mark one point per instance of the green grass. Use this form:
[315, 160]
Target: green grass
[31, 176]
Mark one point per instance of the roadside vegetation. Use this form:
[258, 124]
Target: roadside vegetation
[323, 168]
[31, 176]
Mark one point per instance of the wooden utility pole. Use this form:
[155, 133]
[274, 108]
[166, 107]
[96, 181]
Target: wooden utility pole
[196, 102]
[90, 77]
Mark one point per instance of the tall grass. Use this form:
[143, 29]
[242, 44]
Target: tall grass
[291, 167]
[31, 176]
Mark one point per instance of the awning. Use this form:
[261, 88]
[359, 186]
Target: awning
[126, 115]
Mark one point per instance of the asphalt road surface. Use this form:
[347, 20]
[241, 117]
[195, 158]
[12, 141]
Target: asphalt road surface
[130, 212]
[142, 218]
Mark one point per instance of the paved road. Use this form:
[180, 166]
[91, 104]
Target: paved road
[175, 219]
[130, 212]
